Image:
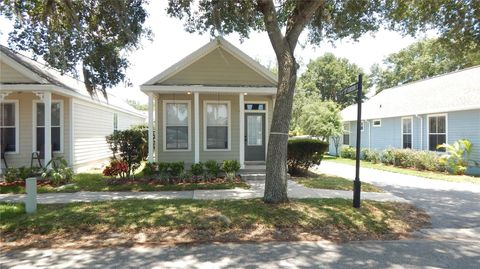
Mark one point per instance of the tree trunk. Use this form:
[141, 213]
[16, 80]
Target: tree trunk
[276, 178]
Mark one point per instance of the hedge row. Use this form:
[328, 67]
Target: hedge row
[304, 153]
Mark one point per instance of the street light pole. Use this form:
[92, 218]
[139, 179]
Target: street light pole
[357, 184]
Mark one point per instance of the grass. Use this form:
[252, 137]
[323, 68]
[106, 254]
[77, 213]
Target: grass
[177, 221]
[96, 182]
[407, 171]
[323, 181]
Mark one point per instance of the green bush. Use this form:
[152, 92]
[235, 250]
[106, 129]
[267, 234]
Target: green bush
[230, 167]
[150, 169]
[348, 152]
[403, 157]
[11, 175]
[373, 156]
[176, 168]
[457, 156]
[426, 160]
[163, 168]
[388, 156]
[213, 168]
[197, 169]
[129, 146]
[304, 153]
[59, 172]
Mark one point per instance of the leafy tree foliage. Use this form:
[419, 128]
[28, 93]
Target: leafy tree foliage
[421, 60]
[65, 33]
[285, 20]
[137, 105]
[321, 119]
[328, 74]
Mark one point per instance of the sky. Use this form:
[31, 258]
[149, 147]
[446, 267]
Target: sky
[171, 44]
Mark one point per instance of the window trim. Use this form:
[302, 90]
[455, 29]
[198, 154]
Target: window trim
[189, 124]
[348, 131]
[373, 123]
[17, 124]
[428, 128]
[401, 130]
[115, 121]
[34, 124]
[229, 125]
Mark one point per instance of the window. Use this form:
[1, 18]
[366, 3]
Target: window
[9, 125]
[437, 132]
[56, 125]
[254, 130]
[115, 122]
[177, 121]
[377, 123]
[257, 107]
[407, 133]
[361, 126]
[346, 134]
[217, 118]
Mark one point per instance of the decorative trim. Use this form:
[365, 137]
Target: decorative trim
[4, 94]
[208, 89]
[229, 126]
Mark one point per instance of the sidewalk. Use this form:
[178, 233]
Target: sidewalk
[256, 190]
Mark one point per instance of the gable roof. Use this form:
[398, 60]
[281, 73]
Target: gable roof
[218, 48]
[455, 91]
[44, 75]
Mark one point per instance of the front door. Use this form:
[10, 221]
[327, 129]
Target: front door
[254, 136]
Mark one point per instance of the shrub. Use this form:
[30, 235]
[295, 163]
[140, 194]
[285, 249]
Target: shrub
[197, 169]
[116, 168]
[213, 168]
[11, 175]
[129, 146]
[230, 167]
[373, 156]
[403, 157]
[388, 156]
[163, 168]
[457, 156]
[176, 168]
[348, 152]
[426, 160]
[59, 173]
[304, 153]
[150, 169]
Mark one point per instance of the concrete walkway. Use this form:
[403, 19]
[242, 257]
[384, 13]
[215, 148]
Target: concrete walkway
[256, 190]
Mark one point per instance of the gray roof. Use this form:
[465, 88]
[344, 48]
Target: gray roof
[459, 90]
[64, 81]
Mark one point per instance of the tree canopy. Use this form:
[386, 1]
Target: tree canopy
[95, 34]
[421, 60]
[321, 119]
[328, 74]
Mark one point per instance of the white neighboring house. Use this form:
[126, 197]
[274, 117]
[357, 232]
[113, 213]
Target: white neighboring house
[41, 109]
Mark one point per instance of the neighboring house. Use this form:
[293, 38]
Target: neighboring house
[78, 122]
[420, 115]
[215, 104]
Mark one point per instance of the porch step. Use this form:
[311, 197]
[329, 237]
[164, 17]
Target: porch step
[253, 176]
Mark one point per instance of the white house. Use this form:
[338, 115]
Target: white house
[42, 109]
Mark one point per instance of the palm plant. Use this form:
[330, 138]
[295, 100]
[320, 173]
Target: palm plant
[457, 155]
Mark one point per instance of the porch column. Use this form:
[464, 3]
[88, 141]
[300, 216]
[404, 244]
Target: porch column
[3, 96]
[241, 104]
[150, 127]
[47, 101]
[196, 115]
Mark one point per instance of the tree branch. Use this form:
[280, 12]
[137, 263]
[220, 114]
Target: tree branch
[267, 8]
[301, 15]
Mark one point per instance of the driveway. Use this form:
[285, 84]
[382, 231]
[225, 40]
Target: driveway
[450, 204]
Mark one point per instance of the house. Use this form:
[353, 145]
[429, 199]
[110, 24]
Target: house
[41, 109]
[420, 115]
[214, 104]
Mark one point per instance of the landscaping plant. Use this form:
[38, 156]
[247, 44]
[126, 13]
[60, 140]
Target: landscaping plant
[304, 153]
[230, 167]
[59, 173]
[197, 170]
[457, 156]
[213, 168]
[116, 169]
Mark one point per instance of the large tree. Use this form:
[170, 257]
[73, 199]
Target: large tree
[423, 59]
[327, 75]
[284, 21]
[95, 34]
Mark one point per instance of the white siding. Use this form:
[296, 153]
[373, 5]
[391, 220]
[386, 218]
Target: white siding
[125, 120]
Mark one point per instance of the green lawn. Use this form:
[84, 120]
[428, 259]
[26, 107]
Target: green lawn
[407, 171]
[213, 220]
[96, 182]
[322, 181]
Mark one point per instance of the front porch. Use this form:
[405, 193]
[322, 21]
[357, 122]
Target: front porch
[32, 121]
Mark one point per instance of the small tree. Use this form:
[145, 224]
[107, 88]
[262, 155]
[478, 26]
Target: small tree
[321, 119]
[129, 146]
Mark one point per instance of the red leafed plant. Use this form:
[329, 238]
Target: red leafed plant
[116, 168]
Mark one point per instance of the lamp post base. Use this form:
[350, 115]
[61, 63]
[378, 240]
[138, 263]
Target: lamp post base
[356, 192]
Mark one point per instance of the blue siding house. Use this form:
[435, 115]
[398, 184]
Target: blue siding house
[420, 115]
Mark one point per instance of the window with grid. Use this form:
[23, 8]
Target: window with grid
[407, 133]
[8, 126]
[56, 126]
[217, 125]
[346, 134]
[176, 126]
[437, 132]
